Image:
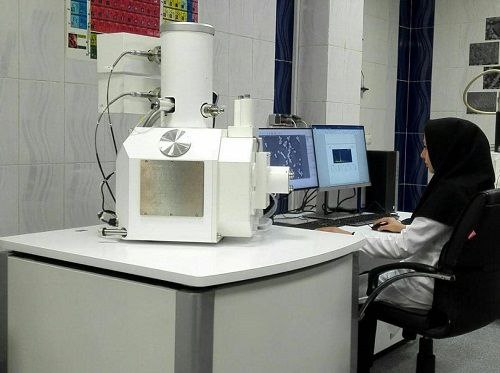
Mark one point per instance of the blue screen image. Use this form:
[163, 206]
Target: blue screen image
[292, 147]
[342, 155]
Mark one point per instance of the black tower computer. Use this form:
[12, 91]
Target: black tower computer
[382, 195]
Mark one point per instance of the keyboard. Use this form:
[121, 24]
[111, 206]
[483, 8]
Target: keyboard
[354, 220]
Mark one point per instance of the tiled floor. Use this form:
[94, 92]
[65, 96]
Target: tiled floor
[478, 351]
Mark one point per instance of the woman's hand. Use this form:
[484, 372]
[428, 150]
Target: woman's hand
[333, 230]
[389, 224]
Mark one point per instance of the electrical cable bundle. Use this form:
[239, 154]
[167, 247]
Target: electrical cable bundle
[328, 210]
[106, 177]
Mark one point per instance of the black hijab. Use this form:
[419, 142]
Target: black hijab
[460, 155]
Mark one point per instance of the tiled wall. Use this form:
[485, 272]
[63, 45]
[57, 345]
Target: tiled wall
[380, 58]
[244, 52]
[459, 24]
[329, 60]
[47, 114]
[48, 106]
[414, 75]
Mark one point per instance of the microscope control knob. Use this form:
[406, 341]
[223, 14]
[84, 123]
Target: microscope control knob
[175, 143]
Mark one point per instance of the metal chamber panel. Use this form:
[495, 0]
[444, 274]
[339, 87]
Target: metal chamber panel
[172, 188]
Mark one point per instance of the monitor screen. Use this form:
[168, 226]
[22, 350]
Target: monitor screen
[341, 156]
[292, 147]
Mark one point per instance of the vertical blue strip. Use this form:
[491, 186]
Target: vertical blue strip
[415, 50]
[283, 56]
[283, 68]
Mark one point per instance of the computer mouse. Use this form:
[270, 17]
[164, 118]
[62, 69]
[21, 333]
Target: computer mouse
[376, 226]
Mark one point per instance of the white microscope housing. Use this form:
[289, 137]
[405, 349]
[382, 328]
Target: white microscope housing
[186, 181]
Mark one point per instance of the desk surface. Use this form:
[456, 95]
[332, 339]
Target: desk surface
[278, 250]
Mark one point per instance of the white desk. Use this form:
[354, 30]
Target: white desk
[281, 301]
[387, 335]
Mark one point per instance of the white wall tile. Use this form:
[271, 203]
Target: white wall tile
[263, 69]
[9, 198]
[241, 17]
[446, 49]
[312, 112]
[353, 63]
[379, 62]
[336, 78]
[487, 8]
[392, 40]
[82, 196]
[41, 191]
[340, 23]
[215, 13]
[378, 8]
[350, 113]
[485, 122]
[442, 114]
[451, 12]
[314, 22]
[262, 110]
[9, 41]
[354, 29]
[446, 89]
[391, 90]
[9, 122]
[81, 118]
[313, 68]
[41, 31]
[376, 81]
[465, 11]
[377, 126]
[264, 19]
[221, 63]
[77, 71]
[41, 121]
[240, 65]
[375, 41]
[334, 113]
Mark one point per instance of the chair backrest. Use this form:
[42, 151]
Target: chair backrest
[473, 255]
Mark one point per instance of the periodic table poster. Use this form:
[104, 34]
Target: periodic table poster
[87, 18]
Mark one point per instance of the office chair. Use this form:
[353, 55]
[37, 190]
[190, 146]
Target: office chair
[466, 285]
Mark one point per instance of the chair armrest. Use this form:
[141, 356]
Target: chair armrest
[375, 273]
[376, 292]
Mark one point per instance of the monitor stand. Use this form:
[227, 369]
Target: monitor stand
[320, 214]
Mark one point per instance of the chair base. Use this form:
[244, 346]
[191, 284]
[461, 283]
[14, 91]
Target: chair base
[426, 360]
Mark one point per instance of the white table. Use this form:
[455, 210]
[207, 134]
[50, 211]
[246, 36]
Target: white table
[281, 301]
[387, 335]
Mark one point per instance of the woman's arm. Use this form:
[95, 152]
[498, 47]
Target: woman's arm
[414, 237]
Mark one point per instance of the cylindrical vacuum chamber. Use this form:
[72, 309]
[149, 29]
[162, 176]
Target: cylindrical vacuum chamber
[187, 72]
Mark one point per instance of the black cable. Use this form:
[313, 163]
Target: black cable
[107, 98]
[347, 198]
[95, 140]
[99, 163]
[313, 195]
[328, 210]
[305, 200]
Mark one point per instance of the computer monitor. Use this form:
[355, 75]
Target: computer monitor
[341, 156]
[292, 147]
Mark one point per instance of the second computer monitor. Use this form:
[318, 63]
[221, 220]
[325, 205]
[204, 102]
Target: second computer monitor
[341, 156]
[292, 147]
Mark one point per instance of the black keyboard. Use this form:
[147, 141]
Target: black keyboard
[354, 220]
